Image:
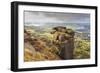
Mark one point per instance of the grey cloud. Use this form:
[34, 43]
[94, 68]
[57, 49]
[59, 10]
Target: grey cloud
[52, 17]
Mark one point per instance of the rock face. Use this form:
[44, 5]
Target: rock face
[64, 39]
[38, 48]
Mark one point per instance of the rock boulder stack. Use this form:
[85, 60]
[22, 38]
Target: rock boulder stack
[64, 39]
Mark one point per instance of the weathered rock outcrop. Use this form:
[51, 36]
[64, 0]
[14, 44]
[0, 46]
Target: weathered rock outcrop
[60, 47]
[64, 39]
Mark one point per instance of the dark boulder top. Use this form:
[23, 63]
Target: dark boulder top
[59, 27]
[63, 29]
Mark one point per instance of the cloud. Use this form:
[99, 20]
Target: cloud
[33, 17]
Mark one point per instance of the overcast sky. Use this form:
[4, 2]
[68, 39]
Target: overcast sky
[32, 17]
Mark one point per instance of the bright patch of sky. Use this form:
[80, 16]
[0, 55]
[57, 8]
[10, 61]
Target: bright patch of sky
[41, 18]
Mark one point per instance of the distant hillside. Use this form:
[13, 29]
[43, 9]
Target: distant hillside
[82, 27]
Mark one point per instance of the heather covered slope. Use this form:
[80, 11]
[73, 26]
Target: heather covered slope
[39, 48]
